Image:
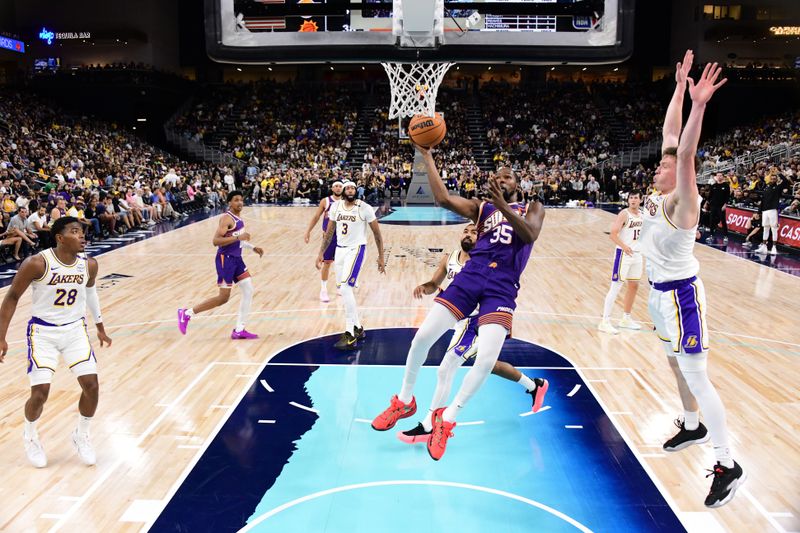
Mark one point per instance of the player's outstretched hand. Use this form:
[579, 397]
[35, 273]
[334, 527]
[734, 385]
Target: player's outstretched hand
[259, 251]
[103, 338]
[682, 68]
[421, 149]
[702, 91]
[495, 192]
[320, 260]
[3, 349]
[425, 288]
[381, 265]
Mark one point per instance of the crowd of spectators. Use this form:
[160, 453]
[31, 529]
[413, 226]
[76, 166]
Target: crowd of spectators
[53, 165]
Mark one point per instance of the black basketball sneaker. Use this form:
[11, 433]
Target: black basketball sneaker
[414, 436]
[685, 437]
[726, 481]
[347, 341]
[359, 333]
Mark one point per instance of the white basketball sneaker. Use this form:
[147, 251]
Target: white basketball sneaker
[84, 448]
[606, 327]
[628, 323]
[323, 296]
[35, 452]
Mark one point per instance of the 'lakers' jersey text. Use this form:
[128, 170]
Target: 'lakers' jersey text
[59, 297]
[669, 250]
[631, 230]
[351, 222]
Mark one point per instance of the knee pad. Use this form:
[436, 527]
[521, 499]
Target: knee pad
[693, 363]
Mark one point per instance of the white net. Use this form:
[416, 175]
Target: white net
[414, 87]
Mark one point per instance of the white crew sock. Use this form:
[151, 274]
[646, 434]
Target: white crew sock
[189, 312]
[526, 382]
[83, 424]
[30, 429]
[691, 420]
[324, 284]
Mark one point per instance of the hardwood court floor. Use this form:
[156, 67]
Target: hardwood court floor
[163, 395]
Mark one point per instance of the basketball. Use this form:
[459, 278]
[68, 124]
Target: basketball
[427, 131]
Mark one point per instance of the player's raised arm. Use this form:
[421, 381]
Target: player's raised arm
[616, 227]
[456, 204]
[32, 268]
[674, 117]
[686, 208]
[315, 219]
[225, 225]
[93, 302]
[429, 287]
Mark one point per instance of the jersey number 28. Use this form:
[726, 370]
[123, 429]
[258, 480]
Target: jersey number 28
[70, 296]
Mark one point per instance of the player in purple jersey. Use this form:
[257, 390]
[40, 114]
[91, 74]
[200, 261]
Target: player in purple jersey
[506, 232]
[230, 238]
[323, 210]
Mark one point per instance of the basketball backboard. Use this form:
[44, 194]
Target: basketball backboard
[477, 31]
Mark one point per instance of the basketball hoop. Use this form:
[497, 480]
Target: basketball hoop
[414, 87]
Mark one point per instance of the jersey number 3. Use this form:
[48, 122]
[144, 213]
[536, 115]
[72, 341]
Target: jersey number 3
[61, 294]
[502, 234]
[344, 228]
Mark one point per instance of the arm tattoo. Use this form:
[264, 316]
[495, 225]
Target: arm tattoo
[328, 237]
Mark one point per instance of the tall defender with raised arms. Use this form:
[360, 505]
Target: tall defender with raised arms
[677, 298]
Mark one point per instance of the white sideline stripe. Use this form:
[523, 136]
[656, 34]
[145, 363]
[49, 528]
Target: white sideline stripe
[574, 390]
[266, 385]
[757, 504]
[701, 521]
[574, 427]
[266, 421]
[141, 511]
[364, 420]
[304, 407]
[529, 413]
[476, 423]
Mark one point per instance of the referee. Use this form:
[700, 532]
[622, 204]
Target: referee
[770, 198]
[717, 200]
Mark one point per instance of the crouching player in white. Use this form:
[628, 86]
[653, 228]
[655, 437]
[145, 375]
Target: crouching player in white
[677, 298]
[62, 280]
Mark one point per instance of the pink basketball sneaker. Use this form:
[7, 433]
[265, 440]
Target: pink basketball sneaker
[183, 320]
[244, 334]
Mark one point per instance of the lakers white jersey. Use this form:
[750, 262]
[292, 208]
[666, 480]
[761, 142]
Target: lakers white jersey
[351, 222]
[454, 266]
[669, 250]
[631, 230]
[59, 297]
